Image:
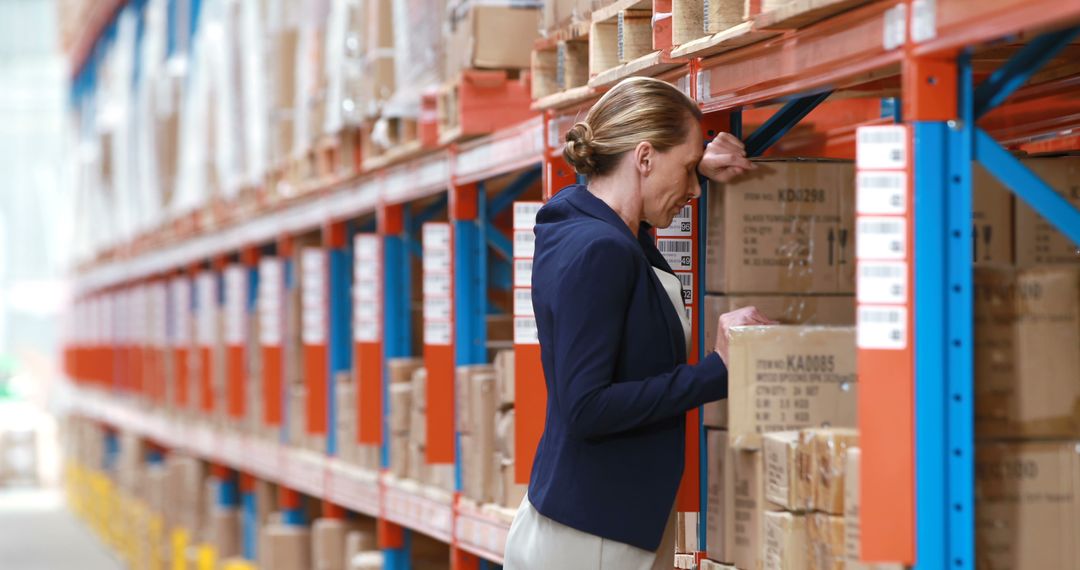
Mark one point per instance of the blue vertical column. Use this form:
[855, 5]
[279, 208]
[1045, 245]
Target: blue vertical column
[289, 270]
[468, 212]
[250, 516]
[339, 344]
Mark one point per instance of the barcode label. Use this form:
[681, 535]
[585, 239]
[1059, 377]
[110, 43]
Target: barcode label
[436, 261]
[687, 282]
[681, 226]
[678, 253]
[436, 237]
[436, 309]
[523, 272]
[437, 285]
[523, 306]
[524, 244]
[235, 305]
[895, 28]
[923, 20]
[366, 292]
[270, 301]
[881, 237]
[366, 331]
[366, 247]
[525, 214]
[882, 282]
[881, 192]
[437, 333]
[881, 147]
[206, 291]
[525, 331]
[883, 328]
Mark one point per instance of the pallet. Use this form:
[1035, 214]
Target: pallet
[560, 67]
[623, 33]
[796, 14]
[735, 37]
[481, 102]
[401, 141]
[649, 65]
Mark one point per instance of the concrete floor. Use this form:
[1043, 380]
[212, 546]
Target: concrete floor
[37, 532]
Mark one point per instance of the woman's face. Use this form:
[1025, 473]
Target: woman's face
[672, 179]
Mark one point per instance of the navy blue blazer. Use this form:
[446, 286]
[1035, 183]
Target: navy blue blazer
[611, 456]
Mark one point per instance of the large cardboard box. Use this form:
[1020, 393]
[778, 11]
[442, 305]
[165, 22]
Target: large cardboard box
[225, 531]
[991, 218]
[504, 374]
[780, 450]
[402, 369]
[825, 533]
[789, 377]
[478, 469]
[287, 547]
[785, 542]
[718, 457]
[1027, 505]
[686, 532]
[1027, 364]
[328, 543]
[400, 408]
[1037, 241]
[785, 309]
[744, 487]
[481, 36]
[826, 450]
[786, 227]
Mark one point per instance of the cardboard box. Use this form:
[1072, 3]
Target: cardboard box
[370, 560]
[504, 375]
[1027, 511]
[828, 452]
[991, 218]
[715, 414]
[686, 532]
[781, 480]
[419, 395]
[357, 541]
[1037, 241]
[785, 541]
[400, 407]
[478, 469]
[826, 537]
[745, 486]
[399, 455]
[1027, 330]
[490, 37]
[402, 369]
[328, 543]
[707, 564]
[224, 531]
[787, 227]
[786, 309]
[504, 434]
[789, 377]
[717, 499]
[512, 492]
[288, 547]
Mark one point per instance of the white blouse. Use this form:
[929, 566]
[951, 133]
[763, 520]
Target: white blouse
[673, 287]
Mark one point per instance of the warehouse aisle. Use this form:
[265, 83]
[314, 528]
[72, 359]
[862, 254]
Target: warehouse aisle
[38, 533]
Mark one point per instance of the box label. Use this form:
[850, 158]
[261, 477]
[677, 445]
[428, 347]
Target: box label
[679, 253]
[882, 282]
[235, 305]
[882, 327]
[437, 333]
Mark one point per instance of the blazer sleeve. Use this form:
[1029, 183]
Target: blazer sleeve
[589, 314]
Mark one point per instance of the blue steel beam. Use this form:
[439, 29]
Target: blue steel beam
[423, 216]
[513, 191]
[781, 122]
[1020, 67]
[1028, 186]
[499, 242]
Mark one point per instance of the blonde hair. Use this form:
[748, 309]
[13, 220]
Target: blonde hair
[638, 109]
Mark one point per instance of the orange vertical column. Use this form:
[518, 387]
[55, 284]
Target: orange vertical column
[180, 336]
[368, 324]
[314, 295]
[235, 335]
[530, 391]
[439, 340]
[206, 283]
[271, 303]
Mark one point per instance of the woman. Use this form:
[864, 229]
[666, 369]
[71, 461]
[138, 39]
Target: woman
[614, 335]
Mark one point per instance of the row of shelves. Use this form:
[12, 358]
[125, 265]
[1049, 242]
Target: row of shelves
[473, 528]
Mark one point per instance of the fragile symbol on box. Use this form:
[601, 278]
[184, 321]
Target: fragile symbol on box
[882, 327]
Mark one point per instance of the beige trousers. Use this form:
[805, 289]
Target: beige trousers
[536, 542]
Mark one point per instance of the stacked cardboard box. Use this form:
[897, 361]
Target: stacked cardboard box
[509, 493]
[477, 397]
[1027, 410]
[284, 547]
[335, 541]
[348, 448]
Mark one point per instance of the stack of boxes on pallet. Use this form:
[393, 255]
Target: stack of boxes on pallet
[1027, 377]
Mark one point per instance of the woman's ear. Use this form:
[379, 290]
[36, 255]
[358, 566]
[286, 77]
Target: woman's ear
[644, 157]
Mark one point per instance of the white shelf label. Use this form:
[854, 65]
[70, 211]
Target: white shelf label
[523, 272]
[882, 327]
[679, 253]
[437, 333]
[313, 296]
[436, 237]
[687, 281]
[180, 331]
[881, 147]
[923, 20]
[235, 304]
[206, 284]
[271, 283]
[524, 244]
[881, 237]
[367, 288]
[436, 261]
[437, 309]
[525, 331]
[367, 247]
[681, 226]
[881, 192]
[882, 282]
[895, 30]
[437, 285]
[525, 214]
[523, 306]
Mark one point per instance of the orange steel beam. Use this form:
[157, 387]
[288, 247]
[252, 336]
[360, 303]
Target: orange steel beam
[964, 23]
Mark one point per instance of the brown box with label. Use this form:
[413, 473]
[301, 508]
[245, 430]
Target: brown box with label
[785, 309]
[1037, 241]
[482, 36]
[786, 227]
[780, 450]
[828, 449]
[1027, 364]
[1027, 505]
[825, 534]
[717, 500]
[789, 377]
[744, 489]
[784, 546]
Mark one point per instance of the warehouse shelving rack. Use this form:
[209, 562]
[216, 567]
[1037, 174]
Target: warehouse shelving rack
[915, 402]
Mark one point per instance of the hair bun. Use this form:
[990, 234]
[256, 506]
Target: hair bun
[579, 149]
